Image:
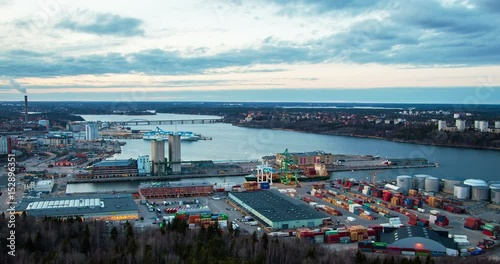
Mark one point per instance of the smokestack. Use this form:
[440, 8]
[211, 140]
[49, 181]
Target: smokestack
[26, 109]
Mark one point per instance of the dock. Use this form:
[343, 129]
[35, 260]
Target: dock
[173, 177]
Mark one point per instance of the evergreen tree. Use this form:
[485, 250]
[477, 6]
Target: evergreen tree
[114, 233]
[265, 240]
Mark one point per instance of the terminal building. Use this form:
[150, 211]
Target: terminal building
[44, 186]
[307, 158]
[115, 168]
[105, 207]
[276, 210]
[411, 240]
[175, 189]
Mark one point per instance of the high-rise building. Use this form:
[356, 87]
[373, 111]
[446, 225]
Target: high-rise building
[483, 126]
[476, 124]
[174, 152]
[497, 125]
[91, 132]
[5, 145]
[158, 156]
[441, 125]
[144, 165]
[460, 124]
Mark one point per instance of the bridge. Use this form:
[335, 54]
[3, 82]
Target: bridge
[140, 122]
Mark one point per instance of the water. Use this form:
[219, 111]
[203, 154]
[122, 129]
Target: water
[237, 143]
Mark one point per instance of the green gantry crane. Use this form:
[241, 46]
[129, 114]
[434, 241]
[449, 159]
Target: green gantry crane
[288, 169]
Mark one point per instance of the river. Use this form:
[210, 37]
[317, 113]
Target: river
[239, 143]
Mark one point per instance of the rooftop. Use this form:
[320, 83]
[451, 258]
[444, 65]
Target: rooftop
[416, 233]
[116, 163]
[44, 182]
[77, 205]
[173, 184]
[277, 207]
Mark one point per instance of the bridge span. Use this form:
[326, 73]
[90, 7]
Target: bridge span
[140, 122]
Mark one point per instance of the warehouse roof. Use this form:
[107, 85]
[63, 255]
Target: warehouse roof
[77, 205]
[173, 184]
[277, 207]
[411, 236]
[116, 163]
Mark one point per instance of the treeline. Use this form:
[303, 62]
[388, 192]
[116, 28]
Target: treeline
[74, 241]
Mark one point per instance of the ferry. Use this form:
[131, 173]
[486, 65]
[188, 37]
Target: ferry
[161, 134]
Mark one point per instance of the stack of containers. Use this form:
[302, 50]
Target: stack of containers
[433, 216]
[305, 233]
[380, 247]
[413, 192]
[433, 202]
[365, 246]
[376, 192]
[395, 200]
[491, 229]
[371, 234]
[413, 220]
[353, 207]
[394, 250]
[367, 190]
[377, 228]
[386, 195]
[423, 222]
[408, 203]
[472, 223]
[442, 220]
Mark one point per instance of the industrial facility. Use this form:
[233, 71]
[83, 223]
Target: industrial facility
[106, 207]
[276, 210]
[174, 152]
[115, 168]
[307, 158]
[175, 189]
[158, 156]
[413, 239]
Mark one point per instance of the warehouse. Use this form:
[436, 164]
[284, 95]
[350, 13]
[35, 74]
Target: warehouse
[105, 207]
[412, 240]
[115, 168]
[175, 189]
[276, 210]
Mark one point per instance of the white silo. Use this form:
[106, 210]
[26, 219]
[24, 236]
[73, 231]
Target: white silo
[432, 184]
[461, 191]
[419, 181]
[475, 182]
[405, 182]
[449, 184]
[158, 156]
[480, 193]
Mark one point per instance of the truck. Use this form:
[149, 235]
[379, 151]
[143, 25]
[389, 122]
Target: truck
[351, 219]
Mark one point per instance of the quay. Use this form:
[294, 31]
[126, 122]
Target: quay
[378, 167]
[173, 177]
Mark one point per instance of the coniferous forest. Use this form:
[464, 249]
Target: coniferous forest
[74, 241]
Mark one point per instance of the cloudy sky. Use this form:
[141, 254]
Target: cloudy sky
[225, 50]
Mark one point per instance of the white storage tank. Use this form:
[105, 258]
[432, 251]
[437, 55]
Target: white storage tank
[495, 196]
[461, 191]
[449, 184]
[480, 193]
[419, 181]
[432, 184]
[475, 182]
[405, 182]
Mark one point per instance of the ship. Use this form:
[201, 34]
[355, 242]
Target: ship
[317, 172]
[161, 134]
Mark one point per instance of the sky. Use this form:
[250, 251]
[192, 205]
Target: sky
[416, 51]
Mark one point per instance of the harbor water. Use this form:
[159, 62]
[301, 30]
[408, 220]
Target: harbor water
[230, 143]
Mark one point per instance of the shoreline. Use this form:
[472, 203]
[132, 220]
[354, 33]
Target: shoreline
[375, 137]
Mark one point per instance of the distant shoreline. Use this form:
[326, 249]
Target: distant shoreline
[380, 138]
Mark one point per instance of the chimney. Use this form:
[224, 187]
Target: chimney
[26, 109]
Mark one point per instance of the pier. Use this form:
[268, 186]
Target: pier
[173, 177]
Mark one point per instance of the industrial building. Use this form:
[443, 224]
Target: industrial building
[175, 189]
[307, 158]
[114, 168]
[158, 156]
[91, 132]
[44, 186]
[410, 240]
[174, 152]
[56, 140]
[144, 165]
[106, 207]
[276, 210]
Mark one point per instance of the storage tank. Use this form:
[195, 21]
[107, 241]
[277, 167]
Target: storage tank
[475, 182]
[495, 196]
[450, 183]
[480, 193]
[461, 191]
[419, 181]
[432, 184]
[405, 182]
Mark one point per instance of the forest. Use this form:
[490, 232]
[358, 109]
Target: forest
[75, 241]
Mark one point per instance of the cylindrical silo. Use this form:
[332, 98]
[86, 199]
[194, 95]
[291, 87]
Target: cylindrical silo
[461, 191]
[419, 181]
[431, 184]
[480, 193]
[405, 182]
[495, 196]
[475, 182]
[450, 183]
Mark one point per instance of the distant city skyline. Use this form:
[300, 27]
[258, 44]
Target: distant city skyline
[431, 51]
